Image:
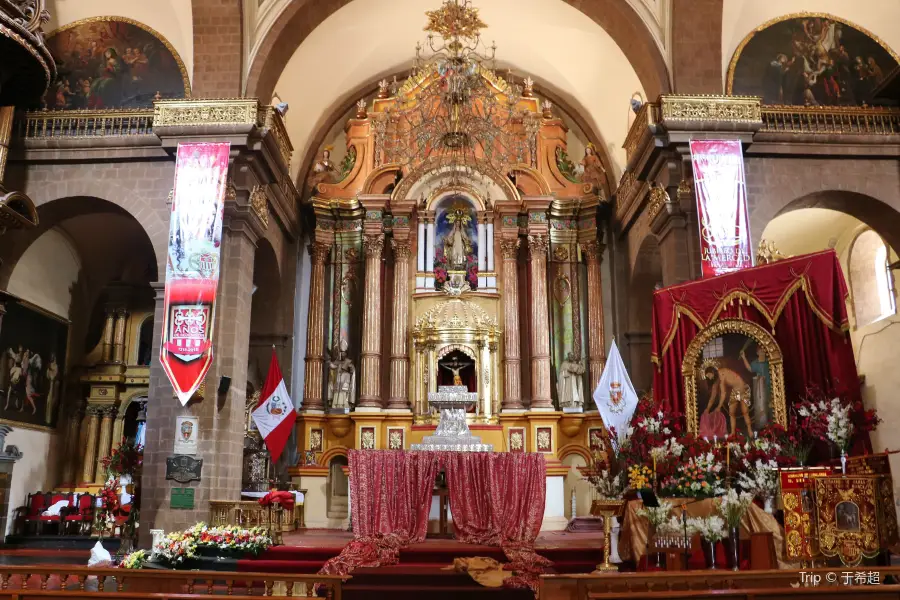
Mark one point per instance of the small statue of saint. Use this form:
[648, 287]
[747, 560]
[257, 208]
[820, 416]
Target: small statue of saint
[594, 173]
[569, 383]
[456, 243]
[323, 171]
[342, 385]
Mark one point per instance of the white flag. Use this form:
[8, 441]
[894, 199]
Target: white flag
[615, 396]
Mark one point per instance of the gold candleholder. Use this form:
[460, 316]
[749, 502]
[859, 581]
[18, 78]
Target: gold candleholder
[607, 508]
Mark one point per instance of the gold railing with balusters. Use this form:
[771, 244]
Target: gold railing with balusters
[85, 123]
[156, 584]
[830, 120]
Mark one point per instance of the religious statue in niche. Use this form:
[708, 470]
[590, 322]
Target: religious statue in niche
[457, 369]
[593, 171]
[456, 247]
[342, 383]
[569, 383]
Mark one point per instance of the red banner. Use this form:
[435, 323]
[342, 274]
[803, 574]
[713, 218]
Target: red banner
[721, 206]
[192, 268]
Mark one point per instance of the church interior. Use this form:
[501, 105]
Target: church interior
[293, 268]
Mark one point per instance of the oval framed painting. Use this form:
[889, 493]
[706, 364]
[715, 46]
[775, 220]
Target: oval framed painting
[113, 62]
[810, 59]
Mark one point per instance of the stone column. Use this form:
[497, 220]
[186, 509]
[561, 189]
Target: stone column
[512, 392]
[90, 449]
[315, 330]
[103, 446]
[538, 246]
[119, 337]
[108, 335]
[370, 368]
[593, 251]
[399, 348]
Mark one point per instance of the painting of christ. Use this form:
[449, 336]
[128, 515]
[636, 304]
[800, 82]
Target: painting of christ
[32, 363]
[734, 387]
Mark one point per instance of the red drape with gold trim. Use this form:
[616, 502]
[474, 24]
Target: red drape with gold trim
[800, 300]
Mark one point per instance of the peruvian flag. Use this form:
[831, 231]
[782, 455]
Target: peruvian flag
[274, 415]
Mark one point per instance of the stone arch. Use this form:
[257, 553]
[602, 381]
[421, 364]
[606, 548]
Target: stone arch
[646, 274]
[883, 218]
[299, 19]
[575, 449]
[871, 285]
[866, 189]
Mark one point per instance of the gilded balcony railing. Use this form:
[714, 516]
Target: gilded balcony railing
[85, 123]
[830, 120]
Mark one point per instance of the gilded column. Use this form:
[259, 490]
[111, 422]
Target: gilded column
[315, 330]
[593, 251]
[70, 464]
[538, 245]
[90, 449]
[512, 392]
[119, 337]
[108, 335]
[105, 443]
[399, 348]
[370, 367]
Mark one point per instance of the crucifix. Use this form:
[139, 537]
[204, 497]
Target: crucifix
[455, 367]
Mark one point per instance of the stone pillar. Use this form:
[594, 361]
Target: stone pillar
[104, 445]
[538, 245]
[370, 368]
[108, 335]
[92, 427]
[399, 348]
[315, 329]
[512, 391]
[593, 251]
[119, 337]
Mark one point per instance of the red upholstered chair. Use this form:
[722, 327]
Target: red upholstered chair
[121, 518]
[79, 517]
[57, 519]
[28, 516]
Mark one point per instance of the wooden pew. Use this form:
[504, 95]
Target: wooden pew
[580, 586]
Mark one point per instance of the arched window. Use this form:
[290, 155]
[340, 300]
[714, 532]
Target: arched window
[871, 283]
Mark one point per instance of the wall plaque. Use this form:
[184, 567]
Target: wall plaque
[182, 498]
[187, 435]
[183, 468]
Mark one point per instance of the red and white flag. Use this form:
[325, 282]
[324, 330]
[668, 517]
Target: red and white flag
[274, 415]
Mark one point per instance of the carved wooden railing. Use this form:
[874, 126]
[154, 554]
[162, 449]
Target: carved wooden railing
[830, 120]
[85, 123]
[59, 580]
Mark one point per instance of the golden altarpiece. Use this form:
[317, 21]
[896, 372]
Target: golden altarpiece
[455, 243]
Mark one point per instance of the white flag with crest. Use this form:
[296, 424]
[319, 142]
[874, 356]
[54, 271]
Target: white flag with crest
[615, 396]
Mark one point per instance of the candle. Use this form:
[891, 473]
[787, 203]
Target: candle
[715, 440]
[727, 457]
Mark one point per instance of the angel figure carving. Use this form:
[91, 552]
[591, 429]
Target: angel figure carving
[342, 384]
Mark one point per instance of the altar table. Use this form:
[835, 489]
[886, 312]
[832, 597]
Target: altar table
[636, 530]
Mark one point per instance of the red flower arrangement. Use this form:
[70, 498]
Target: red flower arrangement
[109, 505]
[127, 459]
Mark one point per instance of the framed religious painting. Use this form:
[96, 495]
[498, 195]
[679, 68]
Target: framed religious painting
[113, 63]
[33, 347]
[810, 59]
[733, 380]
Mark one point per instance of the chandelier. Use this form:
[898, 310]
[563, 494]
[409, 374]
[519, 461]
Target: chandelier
[454, 112]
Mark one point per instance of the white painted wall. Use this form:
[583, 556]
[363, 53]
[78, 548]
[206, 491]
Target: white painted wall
[43, 276]
[740, 17]
[172, 18]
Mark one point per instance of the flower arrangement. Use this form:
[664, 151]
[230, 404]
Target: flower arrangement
[135, 560]
[733, 506]
[835, 420]
[127, 459]
[440, 268]
[700, 476]
[178, 547]
[656, 515]
[639, 477]
[711, 528]
[472, 271]
[759, 478]
[109, 496]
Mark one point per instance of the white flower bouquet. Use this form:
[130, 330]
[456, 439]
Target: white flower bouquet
[733, 506]
[711, 528]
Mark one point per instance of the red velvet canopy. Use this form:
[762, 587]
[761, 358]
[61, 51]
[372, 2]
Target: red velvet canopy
[800, 300]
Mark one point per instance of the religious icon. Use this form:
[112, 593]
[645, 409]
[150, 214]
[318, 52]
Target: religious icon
[570, 387]
[187, 430]
[736, 384]
[846, 515]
